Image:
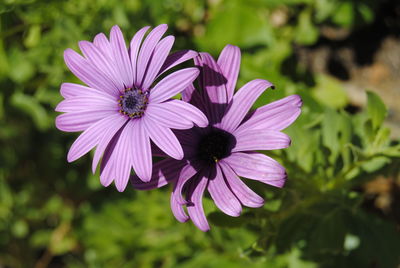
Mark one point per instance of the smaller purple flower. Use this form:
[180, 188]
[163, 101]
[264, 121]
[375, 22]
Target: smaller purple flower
[125, 104]
[218, 155]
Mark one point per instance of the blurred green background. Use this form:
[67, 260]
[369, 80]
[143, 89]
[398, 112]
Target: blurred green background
[341, 205]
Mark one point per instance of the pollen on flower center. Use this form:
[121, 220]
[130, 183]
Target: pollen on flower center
[133, 102]
[215, 145]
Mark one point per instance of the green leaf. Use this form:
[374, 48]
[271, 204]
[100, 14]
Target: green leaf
[376, 109]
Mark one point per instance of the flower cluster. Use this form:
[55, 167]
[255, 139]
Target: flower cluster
[208, 139]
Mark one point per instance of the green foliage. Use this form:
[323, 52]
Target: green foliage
[56, 214]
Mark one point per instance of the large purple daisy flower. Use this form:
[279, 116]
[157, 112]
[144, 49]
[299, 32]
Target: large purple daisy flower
[217, 156]
[123, 108]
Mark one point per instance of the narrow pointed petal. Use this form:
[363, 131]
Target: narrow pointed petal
[213, 82]
[242, 102]
[89, 138]
[107, 166]
[173, 84]
[147, 50]
[167, 118]
[70, 90]
[177, 210]
[141, 152]
[164, 138]
[134, 51]
[160, 54]
[258, 167]
[102, 62]
[108, 134]
[185, 174]
[176, 58]
[164, 172]
[229, 62]
[195, 207]
[87, 73]
[123, 156]
[120, 54]
[223, 197]
[87, 103]
[277, 115]
[245, 195]
[251, 140]
[177, 114]
[79, 121]
[102, 43]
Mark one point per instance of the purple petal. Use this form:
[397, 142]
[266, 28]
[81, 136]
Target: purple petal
[277, 115]
[107, 135]
[70, 90]
[160, 54]
[259, 139]
[102, 62]
[134, 51]
[85, 71]
[186, 174]
[79, 121]
[242, 102]
[123, 154]
[229, 62]
[177, 210]
[89, 138]
[192, 96]
[245, 195]
[163, 137]
[195, 208]
[121, 56]
[141, 152]
[177, 114]
[102, 43]
[173, 84]
[164, 172]
[223, 197]
[107, 166]
[258, 167]
[87, 103]
[213, 82]
[147, 50]
[177, 58]
[167, 117]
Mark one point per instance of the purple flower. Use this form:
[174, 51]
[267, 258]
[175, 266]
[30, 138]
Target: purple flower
[124, 108]
[217, 156]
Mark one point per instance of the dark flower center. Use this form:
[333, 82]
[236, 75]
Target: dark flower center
[215, 145]
[133, 102]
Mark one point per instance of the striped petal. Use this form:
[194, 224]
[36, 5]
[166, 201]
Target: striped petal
[164, 138]
[245, 195]
[242, 102]
[160, 54]
[251, 140]
[79, 121]
[134, 51]
[146, 51]
[258, 167]
[163, 172]
[176, 58]
[229, 63]
[277, 115]
[223, 197]
[90, 138]
[87, 73]
[121, 56]
[173, 84]
[195, 207]
[141, 152]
